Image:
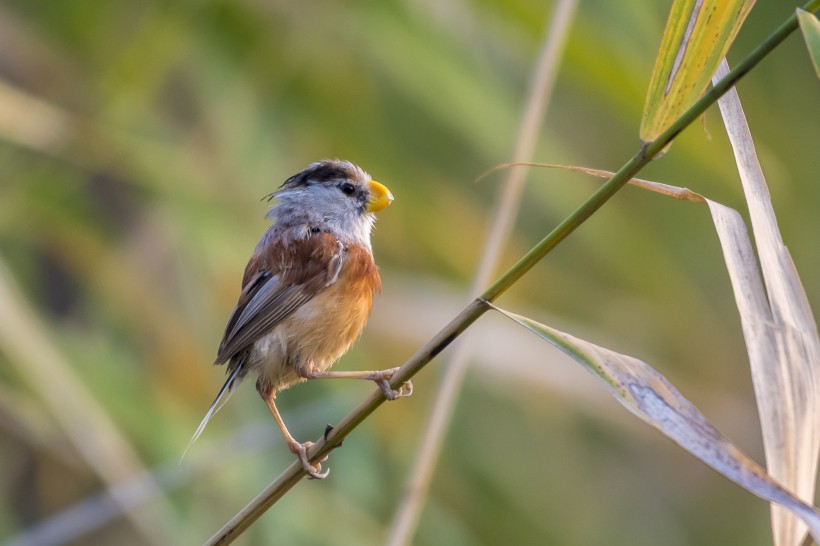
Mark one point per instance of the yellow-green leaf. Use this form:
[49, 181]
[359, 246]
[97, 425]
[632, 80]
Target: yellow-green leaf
[697, 36]
[811, 33]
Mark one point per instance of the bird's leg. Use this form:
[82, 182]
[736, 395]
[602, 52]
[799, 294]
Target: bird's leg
[380, 377]
[300, 450]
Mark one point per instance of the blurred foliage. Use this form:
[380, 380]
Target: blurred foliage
[137, 138]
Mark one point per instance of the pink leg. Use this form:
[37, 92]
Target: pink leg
[298, 449]
[381, 378]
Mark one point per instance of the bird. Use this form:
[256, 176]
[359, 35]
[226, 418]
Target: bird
[307, 291]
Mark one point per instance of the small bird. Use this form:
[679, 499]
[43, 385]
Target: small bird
[307, 290]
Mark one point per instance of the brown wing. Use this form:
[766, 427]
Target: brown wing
[278, 280]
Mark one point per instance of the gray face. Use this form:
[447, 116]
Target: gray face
[332, 195]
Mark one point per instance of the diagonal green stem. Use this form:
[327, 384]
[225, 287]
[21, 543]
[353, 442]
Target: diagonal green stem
[639, 160]
[294, 473]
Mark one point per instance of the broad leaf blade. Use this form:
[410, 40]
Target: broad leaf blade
[651, 397]
[810, 27]
[697, 36]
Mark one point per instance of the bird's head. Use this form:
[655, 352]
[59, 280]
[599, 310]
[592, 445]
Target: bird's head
[332, 194]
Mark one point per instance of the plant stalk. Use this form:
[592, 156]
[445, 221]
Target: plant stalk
[248, 515]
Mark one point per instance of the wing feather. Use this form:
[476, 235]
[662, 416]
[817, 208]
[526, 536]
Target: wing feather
[285, 278]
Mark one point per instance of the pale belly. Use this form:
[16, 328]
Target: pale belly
[319, 332]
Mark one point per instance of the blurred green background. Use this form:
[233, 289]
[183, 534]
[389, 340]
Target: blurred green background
[136, 141]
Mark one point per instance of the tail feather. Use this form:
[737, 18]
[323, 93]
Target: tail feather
[221, 399]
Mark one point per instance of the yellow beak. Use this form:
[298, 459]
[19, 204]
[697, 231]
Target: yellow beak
[380, 197]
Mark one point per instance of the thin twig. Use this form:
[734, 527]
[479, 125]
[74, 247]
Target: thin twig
[295, 472]
[415, 491]
[477, 307]
[683, 194]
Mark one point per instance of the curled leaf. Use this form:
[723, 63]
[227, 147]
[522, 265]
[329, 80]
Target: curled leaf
[779, 329]
[651, 397]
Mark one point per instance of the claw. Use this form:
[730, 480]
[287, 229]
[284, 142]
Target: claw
[381, 379]
[406, 389]
[313, 472]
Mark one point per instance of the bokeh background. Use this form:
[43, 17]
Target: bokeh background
[136, 142]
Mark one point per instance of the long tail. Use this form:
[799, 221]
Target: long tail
[221, 399]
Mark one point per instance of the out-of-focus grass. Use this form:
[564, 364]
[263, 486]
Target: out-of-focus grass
[129, 235]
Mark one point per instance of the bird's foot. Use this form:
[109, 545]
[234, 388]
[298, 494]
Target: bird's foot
[381, 378]
[313, 471]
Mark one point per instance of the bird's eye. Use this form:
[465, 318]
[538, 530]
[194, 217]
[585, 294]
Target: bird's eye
[347, 188]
